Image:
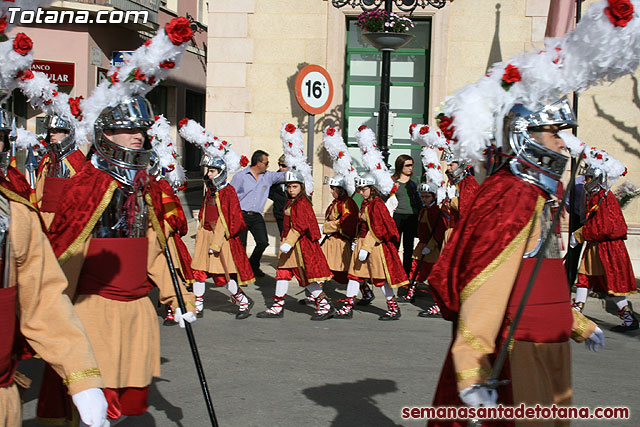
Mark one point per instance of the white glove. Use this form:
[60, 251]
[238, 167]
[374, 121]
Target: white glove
[353, 245]
[573, 242]
[595, 340]
[181, 318]
[452, 191]
[426, 251]
[479, 396]
[285, 248]
[92, 406]
[392, 204]
[362, 255]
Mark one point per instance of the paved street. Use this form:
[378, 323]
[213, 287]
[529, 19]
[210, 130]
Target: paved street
[359, 372]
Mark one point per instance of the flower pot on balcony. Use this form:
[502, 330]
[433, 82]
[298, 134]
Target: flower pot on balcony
[387, 41]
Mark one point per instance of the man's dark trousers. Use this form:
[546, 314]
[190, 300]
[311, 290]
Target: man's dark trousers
[257, 227]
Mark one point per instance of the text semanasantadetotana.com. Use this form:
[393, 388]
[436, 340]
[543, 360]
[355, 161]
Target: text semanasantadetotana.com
[522, 412]
[41, 16]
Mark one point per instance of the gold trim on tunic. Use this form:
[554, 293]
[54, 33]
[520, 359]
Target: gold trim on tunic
[81, 375]
[472, 373]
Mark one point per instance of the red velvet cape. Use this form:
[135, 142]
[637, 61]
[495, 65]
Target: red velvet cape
[434, 214]
[503, 206]
[608, 228]
[17, 188]
[303, 220]
[232, 217]
[76, 158]
[384, 229]
[175, 217]
[467, 188]
[88, 194]
[348, 220]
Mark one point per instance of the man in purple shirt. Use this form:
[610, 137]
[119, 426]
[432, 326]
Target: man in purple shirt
[252, 185]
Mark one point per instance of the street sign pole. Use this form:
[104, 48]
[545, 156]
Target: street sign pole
[312, 123]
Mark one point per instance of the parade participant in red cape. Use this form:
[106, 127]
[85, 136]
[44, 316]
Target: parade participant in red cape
[375, 257]
[491, 259]
[33, 305]
[462, 188]
[62, 161]
[606, 267]
[341, 216]
[510, 228]
[300, 252]
[219, 251]
[110, 221]
[171, 178]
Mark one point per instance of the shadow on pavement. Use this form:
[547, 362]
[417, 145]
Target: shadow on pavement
[354, 402]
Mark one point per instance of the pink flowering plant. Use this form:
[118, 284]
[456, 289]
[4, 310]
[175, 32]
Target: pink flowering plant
[380, 21]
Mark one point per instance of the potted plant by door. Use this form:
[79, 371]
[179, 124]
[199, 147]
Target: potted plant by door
[385, 31]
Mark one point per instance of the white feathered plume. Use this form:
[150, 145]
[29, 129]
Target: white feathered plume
[595, 158]
[17, 57]
[163, 144]
[342, 162]
[604, 46]
[141, 72]
[293, 149]
[193, 132]
[373, 161]
[431, 138]
[26, 139]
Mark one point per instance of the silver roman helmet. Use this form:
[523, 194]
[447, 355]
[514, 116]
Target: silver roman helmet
[220, 180]
[133, 113]
[428, 187]
[335, 181]
[460, 172]
[534, 162]
[597, 181]
[293, 175]
[64, 147]
[365, 181]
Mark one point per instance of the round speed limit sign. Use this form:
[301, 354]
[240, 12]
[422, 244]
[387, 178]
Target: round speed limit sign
[314, 89]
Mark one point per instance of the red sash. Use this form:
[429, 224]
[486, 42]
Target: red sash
[116, 268]
[210, 215]
[8, 301]
[53, 190]
[547, 315]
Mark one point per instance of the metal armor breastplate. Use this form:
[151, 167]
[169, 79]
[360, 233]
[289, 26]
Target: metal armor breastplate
[115, 221]
[58, 153]
[546, 220]
[4, 162]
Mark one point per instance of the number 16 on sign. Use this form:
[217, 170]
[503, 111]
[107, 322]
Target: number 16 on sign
[314, 91]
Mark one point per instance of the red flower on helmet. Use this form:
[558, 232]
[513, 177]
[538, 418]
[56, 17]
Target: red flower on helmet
[3, 23]
[151, 80]
[25, 75]
[74, 105]
[221, 147]
[224, 142]
[179, 30]
[113, 78]
[446, 126]
[599, 156]
[625, 172]
[290, 128]
[620, 12]
[510, 76]
[244, 161]
[431, 165]
[331, 131]
[378, 166]
[138, 75]
[424, 130]
[413, 125]
[340, 155]
[362, 127]
[156, 117]
[183, 122]
[147, 43]
[22, 44]
[167, 64]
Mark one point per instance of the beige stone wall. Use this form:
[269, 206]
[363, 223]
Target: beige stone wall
[257, 47]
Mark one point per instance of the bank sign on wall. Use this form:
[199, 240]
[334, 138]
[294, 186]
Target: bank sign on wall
[60, 73]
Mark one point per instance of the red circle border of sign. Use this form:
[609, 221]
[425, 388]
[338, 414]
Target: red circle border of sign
[298, 88]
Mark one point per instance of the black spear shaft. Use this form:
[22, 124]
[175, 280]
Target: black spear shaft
[191, 338]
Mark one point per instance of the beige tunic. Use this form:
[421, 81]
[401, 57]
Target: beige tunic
[118, 349]
[336, 250]
[219, 262]
[478, 328]
[591, 264]
[47, 318]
